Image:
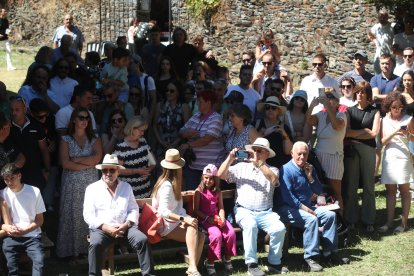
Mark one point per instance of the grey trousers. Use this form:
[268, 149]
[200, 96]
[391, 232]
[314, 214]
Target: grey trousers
[359, 169]
[99, 242]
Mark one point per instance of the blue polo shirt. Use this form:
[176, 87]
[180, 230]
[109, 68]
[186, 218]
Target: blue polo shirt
[384, 85]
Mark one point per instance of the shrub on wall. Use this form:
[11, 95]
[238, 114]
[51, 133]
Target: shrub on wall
[202, 8]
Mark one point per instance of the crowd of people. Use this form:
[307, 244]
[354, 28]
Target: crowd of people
[156, 120]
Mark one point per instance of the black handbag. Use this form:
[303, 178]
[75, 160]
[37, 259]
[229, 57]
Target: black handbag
[189, 156]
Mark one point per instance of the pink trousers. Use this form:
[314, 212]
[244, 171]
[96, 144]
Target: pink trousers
[216, 236]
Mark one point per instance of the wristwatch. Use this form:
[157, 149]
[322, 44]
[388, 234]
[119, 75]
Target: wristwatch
[181, 218]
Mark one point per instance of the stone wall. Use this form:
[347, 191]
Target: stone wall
[303, 27]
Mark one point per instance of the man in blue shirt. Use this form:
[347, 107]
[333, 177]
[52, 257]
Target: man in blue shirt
[300, 188]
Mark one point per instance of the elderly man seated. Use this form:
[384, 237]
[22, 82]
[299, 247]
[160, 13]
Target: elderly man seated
[255, 183]
[112, 213]
[300, 188]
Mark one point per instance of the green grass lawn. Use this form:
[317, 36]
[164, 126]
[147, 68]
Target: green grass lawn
[21, 59]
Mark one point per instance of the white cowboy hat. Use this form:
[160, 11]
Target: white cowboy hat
[110, 160]
[172, 160]
[261, 143]
[273, 101]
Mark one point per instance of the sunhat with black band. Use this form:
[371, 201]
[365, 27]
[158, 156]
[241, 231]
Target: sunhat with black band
[261, 143]
[172, 160]
[110, 160]
[272, 101]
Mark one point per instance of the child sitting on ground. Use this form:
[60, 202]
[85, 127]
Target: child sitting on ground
[208, 206]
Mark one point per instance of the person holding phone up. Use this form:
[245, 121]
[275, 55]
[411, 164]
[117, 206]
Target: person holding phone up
[397, 168]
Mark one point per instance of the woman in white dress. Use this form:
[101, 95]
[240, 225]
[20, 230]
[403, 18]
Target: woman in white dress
[397, 168]
[166, 198]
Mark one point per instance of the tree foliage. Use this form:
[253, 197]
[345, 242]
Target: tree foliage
[202, 8]
[394, 5]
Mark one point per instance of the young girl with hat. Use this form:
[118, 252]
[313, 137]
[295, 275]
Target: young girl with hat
[167, 199]
[208, 206]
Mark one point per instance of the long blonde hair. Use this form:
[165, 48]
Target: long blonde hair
[176, 179]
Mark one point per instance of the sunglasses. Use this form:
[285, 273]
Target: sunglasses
[83, 118]
[109, 96]
[111, 171]
[407, 56]
[132, 95]
[117, 120]
[171, 91]
[40, 117]
[270, 107]
[276, 89]
[397, 107]
[299, 99]
[229, 101]
[247, 60]
[265, 63]
[315, 64]
[258, 150]
[330, 96]
[349, 86]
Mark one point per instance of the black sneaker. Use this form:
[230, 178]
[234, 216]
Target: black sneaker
[314, 266]
[254, 270]
[276, 269]
[334, 259]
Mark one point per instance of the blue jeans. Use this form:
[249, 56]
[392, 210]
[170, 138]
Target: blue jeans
[268, 221]
[34, 250]
[310, 224]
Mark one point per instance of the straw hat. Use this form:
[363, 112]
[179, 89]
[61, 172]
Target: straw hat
[110, 160]
[273, 101]
[172, 160]
[261, 143]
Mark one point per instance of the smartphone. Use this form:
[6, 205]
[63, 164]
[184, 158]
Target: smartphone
[403, 127]
[242, 154]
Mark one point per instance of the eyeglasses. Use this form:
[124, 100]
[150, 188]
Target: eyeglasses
[171, 91]
[315, 64]
[349, 86]
[407, 56]
[270, 107]
[247, 60]
[117, 120]
[276, 89]
[397, 107]
[265, 63]
[83, 118]
[111, 171]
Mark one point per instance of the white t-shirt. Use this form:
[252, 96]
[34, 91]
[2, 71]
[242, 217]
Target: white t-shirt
[62, 117]
[251, 97]
[400, 69]
[311, 85]
[330, 140]
[24, 206]
[384, 35]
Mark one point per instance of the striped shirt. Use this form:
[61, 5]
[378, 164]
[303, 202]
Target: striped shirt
[212, 153]
[254, 191]
[135, 158]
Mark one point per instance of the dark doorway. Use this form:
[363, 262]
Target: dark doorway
[159, 12]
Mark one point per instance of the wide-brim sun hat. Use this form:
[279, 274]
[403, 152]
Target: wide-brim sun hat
[110, 160]
[261, 143]
[172, 160]
[272, 101]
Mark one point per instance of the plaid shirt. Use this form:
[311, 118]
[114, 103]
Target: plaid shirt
[254, 191]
